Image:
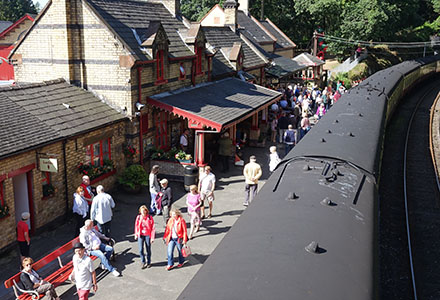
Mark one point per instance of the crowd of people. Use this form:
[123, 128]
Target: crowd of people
[289, 123]
[289, 118]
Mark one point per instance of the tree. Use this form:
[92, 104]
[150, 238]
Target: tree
[12, 10]
[194, 10]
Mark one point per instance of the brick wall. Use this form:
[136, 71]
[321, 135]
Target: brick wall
[48, 209]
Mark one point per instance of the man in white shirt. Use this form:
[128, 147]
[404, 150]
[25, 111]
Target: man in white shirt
[206, 188]
[101, 210]
[83, 273]
[184, 140]
[91, 239]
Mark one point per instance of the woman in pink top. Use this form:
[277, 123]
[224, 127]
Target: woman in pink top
[193, 202]
[144, 232]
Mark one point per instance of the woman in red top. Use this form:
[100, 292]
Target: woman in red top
[175, 235]
[23, 238]
[144, 232]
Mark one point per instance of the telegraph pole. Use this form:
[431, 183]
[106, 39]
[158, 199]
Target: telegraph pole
[262, 10]
[315, 43]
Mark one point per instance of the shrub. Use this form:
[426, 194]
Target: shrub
[133, 176]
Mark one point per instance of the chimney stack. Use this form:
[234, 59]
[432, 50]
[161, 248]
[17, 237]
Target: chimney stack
[172, 5]
[244, 6]
[231, 8]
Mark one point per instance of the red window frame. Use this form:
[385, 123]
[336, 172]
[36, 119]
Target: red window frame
[101, 155]
[199, 52]
[161, 123]
[46, 178]
[2, 195]
[159, 65]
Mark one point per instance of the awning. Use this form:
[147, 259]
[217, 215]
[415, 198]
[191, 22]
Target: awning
[283, 67]
[218, 104]
[307, 60]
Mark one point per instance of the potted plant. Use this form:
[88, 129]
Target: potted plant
[133, 178]
[4, 211]
[183, 157]
[48, 190]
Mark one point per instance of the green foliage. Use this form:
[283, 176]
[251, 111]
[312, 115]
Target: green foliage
[194, 10]
[96, 171]
[48, 190]
[134, 175]
[12, 10]
[343, 77]
[4, 211]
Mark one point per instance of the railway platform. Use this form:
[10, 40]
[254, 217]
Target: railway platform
[155, 282]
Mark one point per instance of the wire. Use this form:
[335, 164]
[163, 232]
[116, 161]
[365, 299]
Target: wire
[372, 43]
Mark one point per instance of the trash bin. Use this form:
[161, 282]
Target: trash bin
[191, 176]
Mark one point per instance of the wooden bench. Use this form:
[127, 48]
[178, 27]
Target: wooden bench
[56, 278]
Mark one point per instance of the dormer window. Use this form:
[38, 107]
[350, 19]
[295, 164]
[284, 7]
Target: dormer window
[240, 60]
[182, 72]
[199, 53]
[159, 65]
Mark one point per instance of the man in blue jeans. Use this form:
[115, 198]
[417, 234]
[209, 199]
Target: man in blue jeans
[91, 239]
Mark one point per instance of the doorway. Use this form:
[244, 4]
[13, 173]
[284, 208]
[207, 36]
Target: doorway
[22, 197]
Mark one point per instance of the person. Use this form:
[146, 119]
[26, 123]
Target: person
[193, 202]
[225, 151]
[175, 236]
[80, 209]
[83, 273]
[91, 239]
[154, 190]
[88, 191]
[274, 158]
[320, 112]
[273, 128]
[144, 233]
[184, 140]
[23, 238]
[283, 122]
[166, 198]
[305, 125]
[32, 281]
[289, 138]
[206, 188]
[252, 172]
[101, 210]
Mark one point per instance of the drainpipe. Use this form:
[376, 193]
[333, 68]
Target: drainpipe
[141, 150]
[66, 192]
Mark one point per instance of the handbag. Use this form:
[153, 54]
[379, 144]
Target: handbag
[158, 199]
[186, 251]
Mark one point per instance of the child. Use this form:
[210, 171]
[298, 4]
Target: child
[193, 201]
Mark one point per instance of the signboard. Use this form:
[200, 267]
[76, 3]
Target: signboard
[49, 165]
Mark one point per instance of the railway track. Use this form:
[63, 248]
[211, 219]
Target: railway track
[409, 203]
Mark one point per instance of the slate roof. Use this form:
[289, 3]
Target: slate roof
[224, 37]
[34, 114]
[308, 60]
[282, 41]
[125, 16]
[283, 66]
[220, 102]
[220, 65]
[251, 29]
[4, 25]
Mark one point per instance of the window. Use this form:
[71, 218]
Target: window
[199, 52]
[182, 73]
[48, 189]
[161, 130]
[159, 66]
[2, 193]
[98, 152]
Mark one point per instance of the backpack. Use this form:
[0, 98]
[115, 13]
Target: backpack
[290, 136]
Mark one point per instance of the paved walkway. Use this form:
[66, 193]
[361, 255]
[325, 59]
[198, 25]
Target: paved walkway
[156, 282]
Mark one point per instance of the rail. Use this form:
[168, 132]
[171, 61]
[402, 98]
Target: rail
[405, 189]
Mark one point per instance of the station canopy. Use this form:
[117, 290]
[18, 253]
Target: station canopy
[218, 104]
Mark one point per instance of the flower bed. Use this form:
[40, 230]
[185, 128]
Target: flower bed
[95, 172]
